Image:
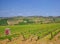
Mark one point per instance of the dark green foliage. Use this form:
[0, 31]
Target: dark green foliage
[22, 23]
[26, 21]
[54, 33]
[2, 38]
[9, 37]
[3, 22]
[51, 35]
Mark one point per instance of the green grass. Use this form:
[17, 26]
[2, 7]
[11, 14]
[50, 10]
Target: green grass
[40, 30]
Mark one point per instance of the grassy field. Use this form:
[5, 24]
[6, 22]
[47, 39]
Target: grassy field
[40, 30]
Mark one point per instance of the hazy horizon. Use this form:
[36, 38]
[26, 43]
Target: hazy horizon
[10, 8]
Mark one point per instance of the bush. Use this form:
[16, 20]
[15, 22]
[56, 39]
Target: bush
[3, 22]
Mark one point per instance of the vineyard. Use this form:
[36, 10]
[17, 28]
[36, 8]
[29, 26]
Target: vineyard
[34, 30]
[40, 30]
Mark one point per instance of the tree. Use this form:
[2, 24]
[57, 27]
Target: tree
[3, 22]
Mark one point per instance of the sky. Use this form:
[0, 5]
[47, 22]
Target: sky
[9, 8]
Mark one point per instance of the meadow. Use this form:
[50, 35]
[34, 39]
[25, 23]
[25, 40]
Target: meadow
[39, 30]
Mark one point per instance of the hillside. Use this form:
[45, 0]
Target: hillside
[19, 20]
